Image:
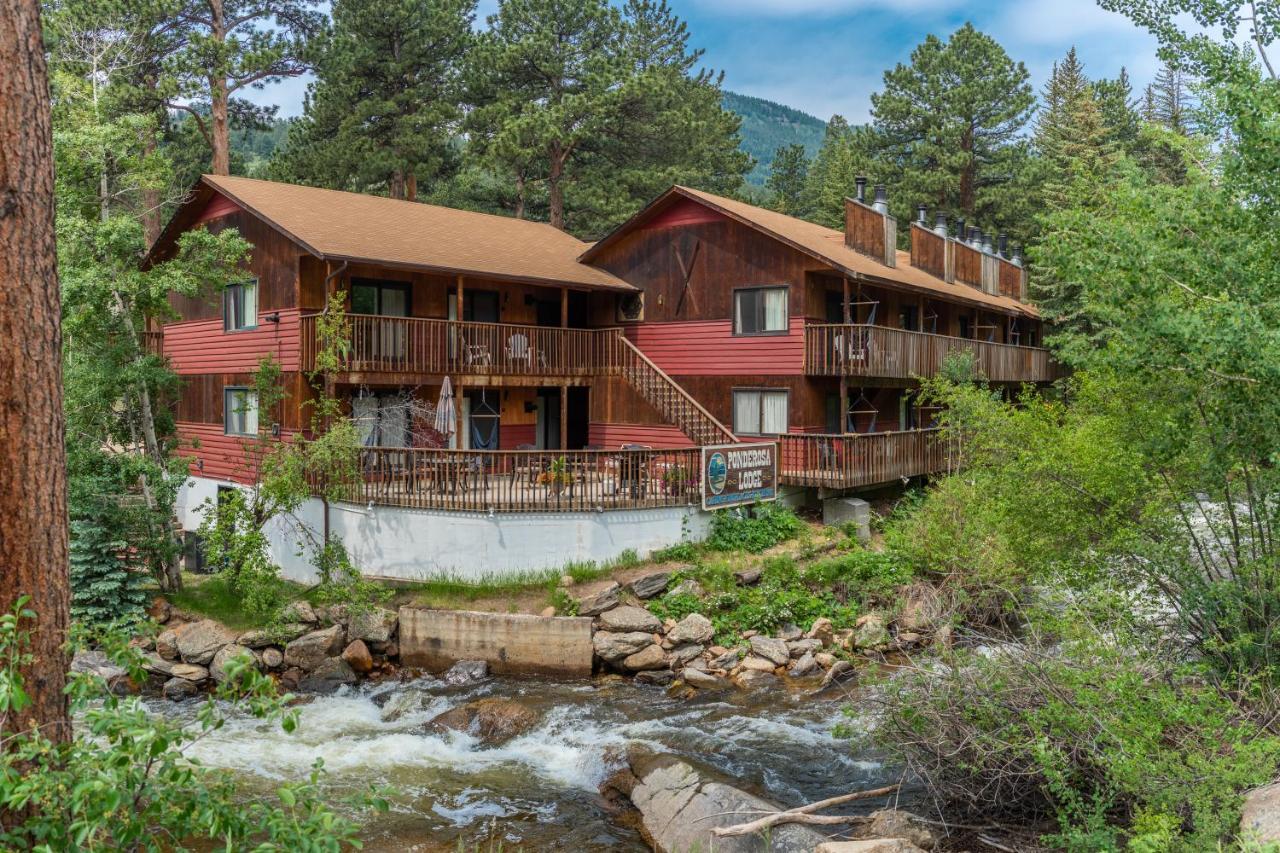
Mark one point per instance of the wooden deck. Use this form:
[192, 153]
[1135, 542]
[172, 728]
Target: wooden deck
[854, 460]
[879, 351]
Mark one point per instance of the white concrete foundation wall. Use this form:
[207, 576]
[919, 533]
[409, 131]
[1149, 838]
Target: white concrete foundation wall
[408, 544]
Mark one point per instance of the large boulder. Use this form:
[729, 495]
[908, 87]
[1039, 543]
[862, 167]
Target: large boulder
[868, 845]
[310, 650]
[375, 625]
[703, 680]
[218, 668]
[97, 663]
[679, 807]
[177, 689]
[612, 647]
[629, 619]
[272, 658]
[466, 672]
[328, 676]
[870, 632]
[773, 650]
[190, 672]
[356, 654]
[160, 610]
[597, 603]
[492, 721]
[280, 634]
[1260, 817]
[754, 679]
[299, 611]
[650, 657]
[894, 823]
[199, 641]
[157, 665]
[694, 628]
[806, 665]
[822, 631]
[167, 644]
[650, 585]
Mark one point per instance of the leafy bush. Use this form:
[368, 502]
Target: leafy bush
[342, 583]
[237, 546]
[106, 586]
[767, 525]
[676, 606]
[126, 784]
[685, 552]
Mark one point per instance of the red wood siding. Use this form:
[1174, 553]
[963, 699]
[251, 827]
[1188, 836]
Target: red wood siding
[201, 346]
[684, 212]
[511, 436]
[224, 456]
[217, 206]
[613, 436]
[709, 348]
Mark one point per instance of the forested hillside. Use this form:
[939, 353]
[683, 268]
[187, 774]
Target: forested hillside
[768, 126]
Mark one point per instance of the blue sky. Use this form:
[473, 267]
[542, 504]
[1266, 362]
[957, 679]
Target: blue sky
[828, 56]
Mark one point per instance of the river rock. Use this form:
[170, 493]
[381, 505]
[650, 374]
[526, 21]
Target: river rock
[177, 689]
[682, 655]
[310, 650]
[190, 672]
[894, 823]
[167, 644]
[404, 702]
[466, 672]
[771, 649]
[755, 663]
[655, 677]
[922, 608]
[157, 665]
[839, 671]
[611, 647]
[907, 639]
[97, 663]
[547, 612]
[1260, 817]
[748, 577]
[703, 680]
[789, 632]
[694, 628]
[825, 659]
[726, 660]
[375, 625]
[754, 679]
[870, 631]
[822, 631]
[805, 666]
[605, 599]
[650, 657]
[199, 641]
[679, 806]
[328, 676]
[800, 648]
[218, 668]
[357, 656]
[650, 585]
[868, 845]
[629, 618]
[492, 721]
[272, 658]
[688, 586]
[280, 634]
[160, 610]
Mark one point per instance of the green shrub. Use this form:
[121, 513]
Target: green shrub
[106, 586]
[684, 552]
[767, 525]
[342, 583]
[676, 606]
[564, 603]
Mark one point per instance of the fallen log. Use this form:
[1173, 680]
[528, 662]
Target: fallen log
[805, 814]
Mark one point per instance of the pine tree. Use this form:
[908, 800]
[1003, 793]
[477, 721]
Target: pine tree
[846, 153]
[787, 174]
[1071, 136]
[1066, 85]
[387, 98]
[949, 128]
[1168, 100]
[105, 586]
[1120, 113]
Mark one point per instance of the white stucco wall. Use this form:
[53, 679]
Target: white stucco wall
[413, 544]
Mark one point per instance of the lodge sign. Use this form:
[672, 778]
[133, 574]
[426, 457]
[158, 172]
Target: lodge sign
[737, 474]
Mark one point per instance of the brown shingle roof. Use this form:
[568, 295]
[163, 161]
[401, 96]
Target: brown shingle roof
[352, 226]
[828, 246]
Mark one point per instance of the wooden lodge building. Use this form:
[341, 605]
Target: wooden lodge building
[584, 376]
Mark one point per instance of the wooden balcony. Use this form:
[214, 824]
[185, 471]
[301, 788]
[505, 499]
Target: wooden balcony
[857, 459]
[526, 481]
[413, 345]
[861, 350]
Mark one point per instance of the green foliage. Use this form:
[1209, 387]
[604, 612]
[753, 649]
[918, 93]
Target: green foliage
[105, 585]
[787, 175]
[768, 127]
[564, 603]
[125, 783]
[341, 583]
[684, 552]
[763, 527]
[235, 543]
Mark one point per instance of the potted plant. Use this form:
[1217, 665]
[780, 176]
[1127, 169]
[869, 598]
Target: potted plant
[676, 480]
[557, 476]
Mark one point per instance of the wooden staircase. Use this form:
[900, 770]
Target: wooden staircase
[662, 392]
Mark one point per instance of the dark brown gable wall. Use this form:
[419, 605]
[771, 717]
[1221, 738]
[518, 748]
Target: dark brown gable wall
[729, 255]
[274, 261]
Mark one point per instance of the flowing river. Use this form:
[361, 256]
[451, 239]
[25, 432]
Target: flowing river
[539, 790]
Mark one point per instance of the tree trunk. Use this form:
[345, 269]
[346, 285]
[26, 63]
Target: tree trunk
[395, 184]
[555, 192]
[411, 187]
[520, 190]
[33, 494]
[218, 98]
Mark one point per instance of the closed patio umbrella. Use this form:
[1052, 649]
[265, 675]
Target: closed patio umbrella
[446, 422]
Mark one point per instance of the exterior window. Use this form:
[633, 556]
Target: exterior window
[240, 306]
[759, 412]
[760, 311]
[382, 419]
[240, 411]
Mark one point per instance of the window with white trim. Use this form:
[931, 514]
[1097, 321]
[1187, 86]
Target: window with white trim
[240, 411]
[760, 311]
[240, 306]
[759, 412]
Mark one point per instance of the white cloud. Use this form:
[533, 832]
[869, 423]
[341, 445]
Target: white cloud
[785, 8]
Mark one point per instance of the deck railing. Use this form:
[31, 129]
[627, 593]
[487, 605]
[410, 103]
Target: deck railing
[863, 350]
[524, 480]
[857, 459]
[421, 345]
[153, 341]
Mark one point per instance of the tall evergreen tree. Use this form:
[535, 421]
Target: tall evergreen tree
[846, 153]
[1119, 111]
[1071, 136]
[950, 127]
[1168, 100]
[787, 174]
[387, 97]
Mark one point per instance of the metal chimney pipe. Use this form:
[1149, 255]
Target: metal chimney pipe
[1017, 256]
[882, 199]
[861, 193]
[960, 232]
[922, 212]
[940, 224]
[1003, 245]
[986, 243]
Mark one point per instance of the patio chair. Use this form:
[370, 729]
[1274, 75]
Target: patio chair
[518, 349]
[526, 466]
[633, 471]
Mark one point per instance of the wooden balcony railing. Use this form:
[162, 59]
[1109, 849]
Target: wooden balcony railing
[862, 350]
[856, 459]
[420, 345]
[153, 341]
[525, 481]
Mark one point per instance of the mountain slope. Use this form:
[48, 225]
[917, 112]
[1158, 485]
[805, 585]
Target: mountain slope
[767, 126]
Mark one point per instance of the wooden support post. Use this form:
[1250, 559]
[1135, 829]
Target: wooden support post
[460, 289]
[847, 319]
[564, 417]
[564, 307]
[844, 405]
[457, 410]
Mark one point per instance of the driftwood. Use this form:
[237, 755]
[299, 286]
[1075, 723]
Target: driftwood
[805, 814]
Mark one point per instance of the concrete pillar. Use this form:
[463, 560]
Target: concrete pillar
[855, 511]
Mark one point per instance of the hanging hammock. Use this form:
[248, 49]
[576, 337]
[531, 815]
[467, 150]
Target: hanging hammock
[861, 406]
